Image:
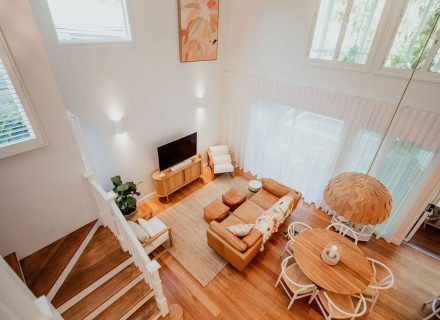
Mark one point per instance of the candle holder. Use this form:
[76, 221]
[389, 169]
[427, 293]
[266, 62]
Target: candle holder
[331, 253]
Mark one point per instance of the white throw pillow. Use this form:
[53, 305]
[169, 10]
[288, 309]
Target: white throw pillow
[152, 226]
[219, 150]
[240, 230]
[222, 159]
[140, 233]
[282, 205]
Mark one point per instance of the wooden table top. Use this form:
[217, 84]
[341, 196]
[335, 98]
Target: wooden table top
[351, 275]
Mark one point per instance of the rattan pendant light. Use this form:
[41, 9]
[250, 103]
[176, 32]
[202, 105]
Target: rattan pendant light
[359, 198]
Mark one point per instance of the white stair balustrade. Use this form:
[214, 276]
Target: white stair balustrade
[112, 217]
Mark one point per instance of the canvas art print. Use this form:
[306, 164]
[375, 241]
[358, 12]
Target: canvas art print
[198, 24]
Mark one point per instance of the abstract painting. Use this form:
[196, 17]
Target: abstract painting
[198, 29]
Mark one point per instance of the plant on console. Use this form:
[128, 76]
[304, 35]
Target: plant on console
[125, 191]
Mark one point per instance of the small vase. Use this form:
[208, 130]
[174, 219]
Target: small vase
[331, 253]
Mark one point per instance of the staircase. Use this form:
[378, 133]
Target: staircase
[86, 275]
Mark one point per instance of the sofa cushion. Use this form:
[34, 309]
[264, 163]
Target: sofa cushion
[264, 199]
[234, 241]
[277, 189]
[248, 212]
[252, 237]
[231, 220]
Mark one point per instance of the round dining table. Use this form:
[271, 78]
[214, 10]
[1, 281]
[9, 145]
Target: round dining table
[351, 275]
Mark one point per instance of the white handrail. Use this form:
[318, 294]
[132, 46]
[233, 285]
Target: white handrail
[111, 217]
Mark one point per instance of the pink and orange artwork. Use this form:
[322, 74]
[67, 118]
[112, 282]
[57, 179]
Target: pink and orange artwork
[198, 29]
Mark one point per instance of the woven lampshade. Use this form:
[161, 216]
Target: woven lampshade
[359, 198]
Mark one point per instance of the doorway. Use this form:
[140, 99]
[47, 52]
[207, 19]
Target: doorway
[425, 234]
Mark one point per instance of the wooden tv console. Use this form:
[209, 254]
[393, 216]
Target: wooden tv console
[166, 182]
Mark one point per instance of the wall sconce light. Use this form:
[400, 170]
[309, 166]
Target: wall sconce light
[118, 126]
[199, 103]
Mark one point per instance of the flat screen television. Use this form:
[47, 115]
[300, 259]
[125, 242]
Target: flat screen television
[177, 151]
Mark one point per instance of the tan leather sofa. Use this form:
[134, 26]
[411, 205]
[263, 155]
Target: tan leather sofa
[240, 251]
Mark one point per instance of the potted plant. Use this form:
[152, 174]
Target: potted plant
[125, 199]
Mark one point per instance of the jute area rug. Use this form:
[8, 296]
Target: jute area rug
[188, 227]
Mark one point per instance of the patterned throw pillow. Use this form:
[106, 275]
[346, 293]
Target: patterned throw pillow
[240, 230]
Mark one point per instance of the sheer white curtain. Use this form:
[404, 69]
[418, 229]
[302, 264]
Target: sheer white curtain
[304, 136]
[297, 135]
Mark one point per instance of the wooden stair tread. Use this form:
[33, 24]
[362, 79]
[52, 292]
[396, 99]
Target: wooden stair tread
[125, 303]
[102, 254]
[12, 260]
[41, 269]
[147, 311]
[100, 295]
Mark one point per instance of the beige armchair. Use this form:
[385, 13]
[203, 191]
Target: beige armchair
[220, 160]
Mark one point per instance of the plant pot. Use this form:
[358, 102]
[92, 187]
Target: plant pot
[131, 215]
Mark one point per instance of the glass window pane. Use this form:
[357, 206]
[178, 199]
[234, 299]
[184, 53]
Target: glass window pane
[435, 66]
[89, 20]
[362, 25]
[413, 32]
[14, 124]
[328, 25]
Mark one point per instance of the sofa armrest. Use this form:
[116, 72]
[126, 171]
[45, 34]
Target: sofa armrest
[252, 237]
[234, 241]
[236, 258]
[296, 198]
[277, 189]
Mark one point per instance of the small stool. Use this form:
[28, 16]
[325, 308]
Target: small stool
[254, 185]
[233, 198]
[216, 210]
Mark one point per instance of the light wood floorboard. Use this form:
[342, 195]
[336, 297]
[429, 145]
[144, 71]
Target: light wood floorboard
[251, 294]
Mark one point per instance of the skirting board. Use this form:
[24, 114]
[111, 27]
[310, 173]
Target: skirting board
[152, 194]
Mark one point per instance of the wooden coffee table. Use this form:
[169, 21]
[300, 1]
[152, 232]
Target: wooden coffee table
[351, 275]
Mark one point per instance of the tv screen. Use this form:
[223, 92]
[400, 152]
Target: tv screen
[177, 151]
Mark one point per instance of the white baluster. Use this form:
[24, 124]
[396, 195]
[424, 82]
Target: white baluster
[156, 284]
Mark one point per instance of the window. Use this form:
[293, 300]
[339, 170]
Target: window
[415, 27]
[90, 20]
[345, 30]
[19, 129]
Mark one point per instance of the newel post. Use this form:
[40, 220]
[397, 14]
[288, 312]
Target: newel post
[156, 284]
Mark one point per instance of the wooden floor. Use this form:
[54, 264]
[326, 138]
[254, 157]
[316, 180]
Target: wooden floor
[251, 294]
[428, 238]
[101, 255]
[41, 269]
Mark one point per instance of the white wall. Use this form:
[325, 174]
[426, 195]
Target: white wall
[144, 81]
[43, 195]
[270, 40]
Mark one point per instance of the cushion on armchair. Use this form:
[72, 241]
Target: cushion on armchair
[223, 168]
[219, 150]
[222, 159]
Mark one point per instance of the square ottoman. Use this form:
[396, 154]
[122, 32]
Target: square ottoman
[233, 198]
[216, 210]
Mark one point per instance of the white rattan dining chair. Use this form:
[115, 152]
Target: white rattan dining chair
[294, 281]
[339, 306]
[435, 303]
[383, 279]
[344, 230]
[293, 230]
